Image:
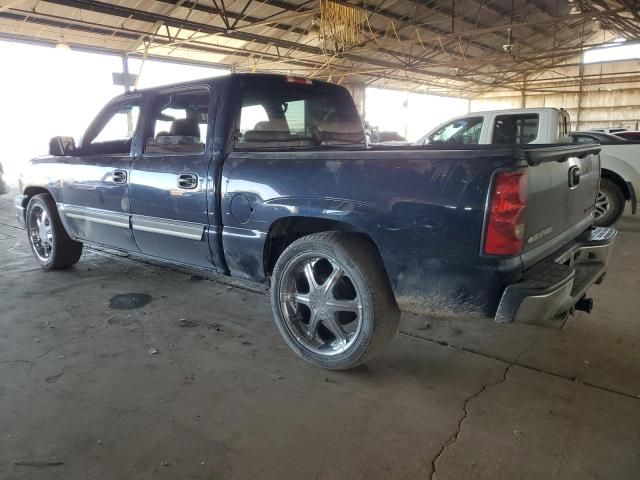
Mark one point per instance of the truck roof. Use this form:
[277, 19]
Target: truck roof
[513, 111]
[265, 77]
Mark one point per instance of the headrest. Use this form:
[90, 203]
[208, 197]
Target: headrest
[185, 127]
[333, 131]
[276, 125]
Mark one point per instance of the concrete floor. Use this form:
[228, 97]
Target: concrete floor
[83, 396]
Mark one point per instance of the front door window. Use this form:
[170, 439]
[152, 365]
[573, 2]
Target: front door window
[114, 130]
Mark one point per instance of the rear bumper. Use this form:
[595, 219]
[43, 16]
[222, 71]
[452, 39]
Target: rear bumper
[556, 284]
[18, 203]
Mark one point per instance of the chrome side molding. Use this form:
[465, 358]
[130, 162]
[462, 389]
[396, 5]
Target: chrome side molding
[96, 215]
[175, 228]
[163, 226]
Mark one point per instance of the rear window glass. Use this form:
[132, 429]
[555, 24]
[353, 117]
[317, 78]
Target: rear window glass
[515, 129]
[297, 117]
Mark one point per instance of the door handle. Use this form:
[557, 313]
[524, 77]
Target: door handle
[187, 181]
[119, 176]
[574, 176]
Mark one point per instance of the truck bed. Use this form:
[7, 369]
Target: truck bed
[423, 207]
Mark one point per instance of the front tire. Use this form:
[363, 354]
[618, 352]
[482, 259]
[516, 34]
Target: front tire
[609, 203]
[332, 301]
[50, 244]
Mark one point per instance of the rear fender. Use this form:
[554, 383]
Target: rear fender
[248, 251]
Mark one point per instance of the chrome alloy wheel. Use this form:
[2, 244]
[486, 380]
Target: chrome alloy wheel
[602, 206]
[320, 304]
[41, 233]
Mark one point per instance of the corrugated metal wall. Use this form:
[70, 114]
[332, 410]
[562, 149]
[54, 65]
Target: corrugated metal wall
[606, 98]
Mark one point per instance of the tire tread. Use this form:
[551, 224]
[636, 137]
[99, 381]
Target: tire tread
[617, 201]
[386, 315]
[66, 250]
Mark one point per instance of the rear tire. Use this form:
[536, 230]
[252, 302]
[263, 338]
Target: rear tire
[50, 244]
[609, 204]
[332, 301]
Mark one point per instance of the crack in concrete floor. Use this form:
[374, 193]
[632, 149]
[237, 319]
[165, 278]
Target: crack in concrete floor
[453, 438]
[53, 347]
[465, 408]
[518, 363]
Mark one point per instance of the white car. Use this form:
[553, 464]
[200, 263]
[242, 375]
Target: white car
[620, 174]
[503, 127]
[619, 159]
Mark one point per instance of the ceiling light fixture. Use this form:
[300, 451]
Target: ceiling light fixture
[508, 47]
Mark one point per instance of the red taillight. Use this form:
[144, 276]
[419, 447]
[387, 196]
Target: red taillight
[505, 224]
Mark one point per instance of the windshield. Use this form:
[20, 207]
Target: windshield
[294, 116]
[462, 131]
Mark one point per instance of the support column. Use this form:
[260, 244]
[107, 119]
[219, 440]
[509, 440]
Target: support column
[125, 73]
[357, 92]
[580, 74]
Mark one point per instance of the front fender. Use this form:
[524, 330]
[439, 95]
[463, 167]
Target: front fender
[42, 173]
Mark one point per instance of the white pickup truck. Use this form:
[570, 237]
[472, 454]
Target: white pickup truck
[619, 159]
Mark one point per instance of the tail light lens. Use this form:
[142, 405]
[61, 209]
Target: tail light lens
[505, 225]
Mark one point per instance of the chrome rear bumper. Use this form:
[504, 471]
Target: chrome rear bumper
[556, 284]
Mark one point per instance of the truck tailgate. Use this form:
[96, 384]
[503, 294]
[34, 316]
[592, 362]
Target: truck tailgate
[563, 184]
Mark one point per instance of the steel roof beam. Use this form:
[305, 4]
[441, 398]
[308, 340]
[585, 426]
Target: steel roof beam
[151, 17]
[131, 34]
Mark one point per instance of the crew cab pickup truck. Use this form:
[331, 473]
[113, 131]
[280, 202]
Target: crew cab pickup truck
[268, 178]
[619, 160]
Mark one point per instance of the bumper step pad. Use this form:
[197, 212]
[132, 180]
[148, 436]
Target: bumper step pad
[554, 285]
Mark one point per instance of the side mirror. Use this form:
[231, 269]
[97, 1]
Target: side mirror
[62, 146]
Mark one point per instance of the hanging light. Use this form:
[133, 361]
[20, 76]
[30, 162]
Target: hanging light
[508, 47]
[575, 10]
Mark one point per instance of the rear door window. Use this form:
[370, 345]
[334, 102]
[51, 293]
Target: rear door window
[517, 129]
[179, 122]
[295, 116]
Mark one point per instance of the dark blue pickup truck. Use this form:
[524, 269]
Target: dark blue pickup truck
[268, 178]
